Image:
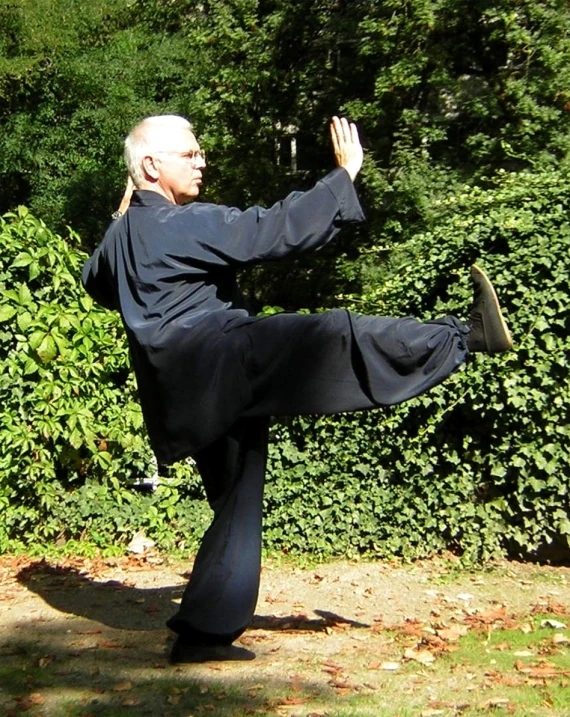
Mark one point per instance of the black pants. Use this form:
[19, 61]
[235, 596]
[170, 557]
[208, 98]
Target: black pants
[296, 364]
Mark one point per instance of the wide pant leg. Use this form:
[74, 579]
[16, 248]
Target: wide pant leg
[340, 361]
[323, 363]
[219, 601]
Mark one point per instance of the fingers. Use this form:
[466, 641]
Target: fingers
[340, 129]
[346, 145]
[343, 132]
[334, 127]
[354, 133]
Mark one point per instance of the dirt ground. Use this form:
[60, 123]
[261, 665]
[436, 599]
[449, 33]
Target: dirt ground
[97, 624]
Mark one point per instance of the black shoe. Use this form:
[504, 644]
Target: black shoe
[489, 332]
[184, 653]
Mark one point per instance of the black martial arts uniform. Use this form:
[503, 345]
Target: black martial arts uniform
[210, 376]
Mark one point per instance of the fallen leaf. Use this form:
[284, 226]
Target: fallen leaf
[546, 671]
[543, 670]
[495, 702]
[32, 700]
[453, 633]
[36, 698]
[553, 623]
[45, 660]
[342, 687]
[487, 617]
[154, 560]
[130, 702]
[390, 666]
[292, 701]
[446, 705]
[332, 666]
[549, 606]
[271, 599]
[94, 631]
[425, 657]
[123, 686]
[501, 646]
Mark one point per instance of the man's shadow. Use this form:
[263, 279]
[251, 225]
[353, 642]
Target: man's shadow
[123, 606]
[114, 603]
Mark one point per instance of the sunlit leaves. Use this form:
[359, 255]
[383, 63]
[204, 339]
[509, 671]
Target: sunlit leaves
[69, 416]
[480, 464]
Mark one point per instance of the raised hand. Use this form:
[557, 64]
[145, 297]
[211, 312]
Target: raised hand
[346, 144]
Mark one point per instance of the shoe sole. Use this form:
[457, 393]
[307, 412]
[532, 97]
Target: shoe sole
[193, 654]
[495, 298]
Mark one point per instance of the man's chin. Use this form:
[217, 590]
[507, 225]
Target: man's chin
[186, 198]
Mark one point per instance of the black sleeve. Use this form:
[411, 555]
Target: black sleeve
[96, 282]
[301, 222]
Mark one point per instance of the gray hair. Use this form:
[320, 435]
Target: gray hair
[147, 137]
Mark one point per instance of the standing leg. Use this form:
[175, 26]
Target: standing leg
[219, 601]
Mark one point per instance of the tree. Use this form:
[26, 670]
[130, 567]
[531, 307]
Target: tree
[444, 91]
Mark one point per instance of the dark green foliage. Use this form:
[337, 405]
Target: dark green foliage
[443, 90]
[480, 464]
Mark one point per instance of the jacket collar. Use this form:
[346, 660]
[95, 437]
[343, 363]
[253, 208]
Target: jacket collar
[148, 198]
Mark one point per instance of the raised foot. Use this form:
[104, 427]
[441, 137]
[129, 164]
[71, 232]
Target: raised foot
[489, 331]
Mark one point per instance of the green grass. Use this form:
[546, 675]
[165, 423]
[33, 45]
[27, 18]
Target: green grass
[484, 675]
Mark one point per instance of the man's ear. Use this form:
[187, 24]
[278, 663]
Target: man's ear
[150, 168]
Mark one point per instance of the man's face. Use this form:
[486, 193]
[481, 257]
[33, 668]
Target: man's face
[179, 165]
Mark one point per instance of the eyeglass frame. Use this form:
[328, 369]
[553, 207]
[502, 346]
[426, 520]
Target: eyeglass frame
[193, 156]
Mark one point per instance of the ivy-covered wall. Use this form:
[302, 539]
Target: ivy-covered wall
[479, 465]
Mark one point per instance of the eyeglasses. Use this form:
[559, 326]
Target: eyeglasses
[193, 156]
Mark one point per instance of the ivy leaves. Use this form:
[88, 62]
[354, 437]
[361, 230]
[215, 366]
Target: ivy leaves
[480, 464]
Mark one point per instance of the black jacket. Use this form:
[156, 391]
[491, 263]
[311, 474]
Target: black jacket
[171, 273]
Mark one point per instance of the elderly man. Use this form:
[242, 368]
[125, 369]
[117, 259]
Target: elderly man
[210, 375]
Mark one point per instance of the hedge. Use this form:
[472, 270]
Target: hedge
[478, 466]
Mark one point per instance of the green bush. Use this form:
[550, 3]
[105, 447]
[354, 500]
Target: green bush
[71, 432]
[479, 465]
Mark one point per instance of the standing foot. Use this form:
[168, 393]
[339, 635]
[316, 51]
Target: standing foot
[489, 331]
[185, 653]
